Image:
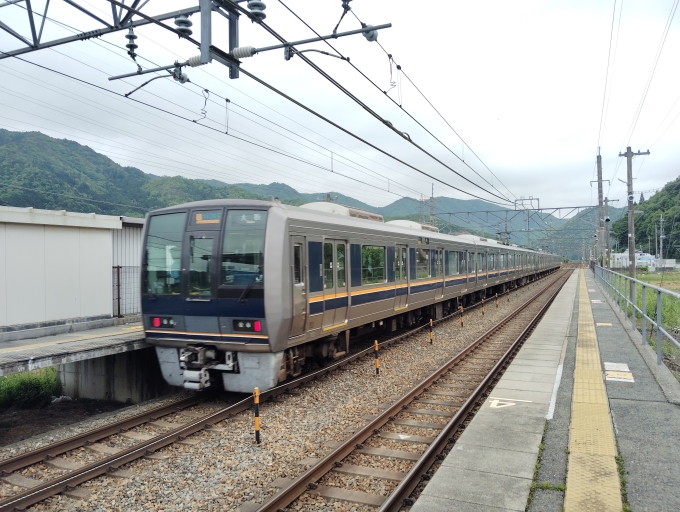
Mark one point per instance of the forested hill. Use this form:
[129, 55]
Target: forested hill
[59, 174]
[666, 202]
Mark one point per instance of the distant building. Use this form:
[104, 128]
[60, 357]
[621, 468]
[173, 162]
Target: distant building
[642, 259]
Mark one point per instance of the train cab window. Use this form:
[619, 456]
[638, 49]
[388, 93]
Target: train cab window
[422, 263]
[328, 266]
[243, 250]
[372, 264]
[340, 271]
[163, 254]
[453, 263]
[200, 266]
[297, 263]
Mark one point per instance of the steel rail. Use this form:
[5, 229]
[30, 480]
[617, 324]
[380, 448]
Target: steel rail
[52, 450]
[113, 462]
[418, 472]
[302, 483]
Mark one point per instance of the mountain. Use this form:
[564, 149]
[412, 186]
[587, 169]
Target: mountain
[568, 238]
[667, 202]
[58, 174]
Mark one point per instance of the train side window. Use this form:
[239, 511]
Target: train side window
[422, 263]
[340, 257]
[297, 263]
[453, 263]
[439, 263]
[403, 262]
[372, 264]
[328, 266]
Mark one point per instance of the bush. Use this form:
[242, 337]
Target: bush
[29, 389]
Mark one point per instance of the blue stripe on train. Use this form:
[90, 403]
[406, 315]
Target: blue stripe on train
[454, 282]
[426, 287]
[365, 298]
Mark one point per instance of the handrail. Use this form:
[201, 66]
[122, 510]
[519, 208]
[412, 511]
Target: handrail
[646, 285]
[605, 276]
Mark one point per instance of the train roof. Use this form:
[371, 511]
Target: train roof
[315, 215]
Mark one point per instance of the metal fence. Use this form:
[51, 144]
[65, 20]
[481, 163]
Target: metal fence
[655, 307]
[126, 293]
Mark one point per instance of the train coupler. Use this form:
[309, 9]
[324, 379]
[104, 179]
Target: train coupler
[196, 379]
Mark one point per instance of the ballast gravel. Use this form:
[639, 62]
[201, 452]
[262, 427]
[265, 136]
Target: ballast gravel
[226, 468]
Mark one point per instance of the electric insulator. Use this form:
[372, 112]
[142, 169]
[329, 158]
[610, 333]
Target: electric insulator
[243, 52]
[372, 35]
[195, 61]
[184, 25]
[256, 9]
[131, 45]
[182, 78]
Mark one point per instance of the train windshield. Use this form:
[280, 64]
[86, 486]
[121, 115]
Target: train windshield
[243, 251]
[164, 253]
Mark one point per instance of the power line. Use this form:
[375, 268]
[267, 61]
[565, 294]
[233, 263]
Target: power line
[401, 69]
[606, 76]
[387, 123]
[674, 7]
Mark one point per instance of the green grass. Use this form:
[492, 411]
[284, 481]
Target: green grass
[29, 389]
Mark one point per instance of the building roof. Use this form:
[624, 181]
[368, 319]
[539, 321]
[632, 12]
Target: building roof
[13, 215]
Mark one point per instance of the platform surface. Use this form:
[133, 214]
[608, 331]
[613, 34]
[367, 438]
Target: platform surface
[491, 466]
[29, 354]
[602, 364]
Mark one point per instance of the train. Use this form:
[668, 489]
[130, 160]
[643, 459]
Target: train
[238, 294]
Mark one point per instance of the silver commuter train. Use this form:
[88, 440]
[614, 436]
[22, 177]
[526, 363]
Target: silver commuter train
[240, 293]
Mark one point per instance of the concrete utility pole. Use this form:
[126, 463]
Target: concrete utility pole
[432, 207]
[661, 237]
[607, 249]
[631, 214]
[600, 225]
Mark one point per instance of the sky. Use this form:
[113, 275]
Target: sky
[523, 84]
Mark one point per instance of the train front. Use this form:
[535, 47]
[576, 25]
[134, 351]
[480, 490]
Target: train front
[203, 295]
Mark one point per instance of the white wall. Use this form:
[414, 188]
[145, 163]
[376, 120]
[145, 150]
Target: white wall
[3, 279]
[53, 273]
[127, 246]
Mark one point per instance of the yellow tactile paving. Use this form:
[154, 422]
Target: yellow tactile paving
[592, 477]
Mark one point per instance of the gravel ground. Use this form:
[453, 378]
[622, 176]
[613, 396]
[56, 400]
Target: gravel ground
[227, 468]
[91, 423]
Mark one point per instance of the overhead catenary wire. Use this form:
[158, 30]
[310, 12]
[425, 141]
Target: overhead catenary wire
[368, 109]
[203, 70]
[606, 76]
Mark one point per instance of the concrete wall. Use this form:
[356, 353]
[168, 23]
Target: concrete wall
[54, 266]
[127, 377]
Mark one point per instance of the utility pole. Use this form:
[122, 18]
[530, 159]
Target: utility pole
[432, 207]
[661, 237]
[421, 211]
[607, 254]
[631, 214]
[600, 225]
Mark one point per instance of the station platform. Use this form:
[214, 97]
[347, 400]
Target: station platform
[30, 354]
[581, 402]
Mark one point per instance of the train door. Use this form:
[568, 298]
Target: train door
[401, 277]
[439, 273]
[334, 283]
[298, 273]
[200, 275]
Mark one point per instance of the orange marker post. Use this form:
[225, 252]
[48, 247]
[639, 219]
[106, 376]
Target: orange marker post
[462, 310]
[256, 401]
[377, 361]
[431, 333]
[482, 307]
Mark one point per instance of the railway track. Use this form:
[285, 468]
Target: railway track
[143, 435]
[451, 393]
